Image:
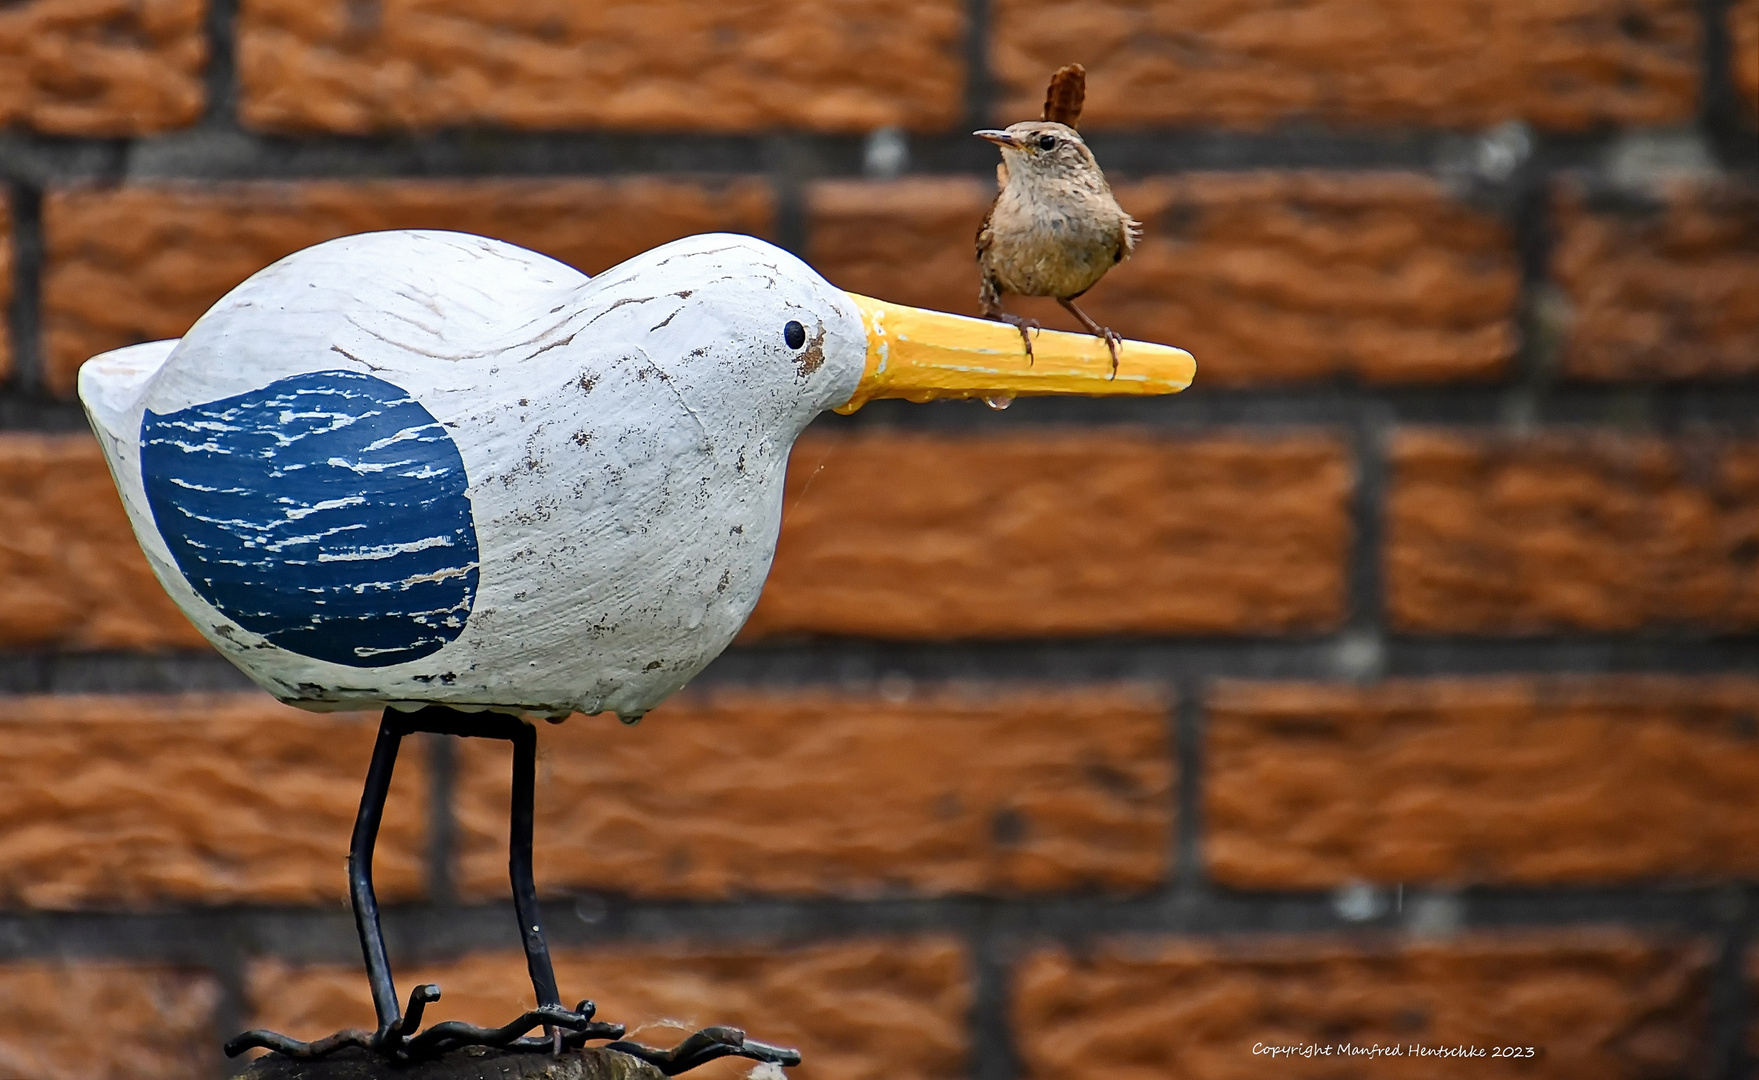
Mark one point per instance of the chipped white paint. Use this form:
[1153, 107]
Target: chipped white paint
[624, 438]
[563, 494]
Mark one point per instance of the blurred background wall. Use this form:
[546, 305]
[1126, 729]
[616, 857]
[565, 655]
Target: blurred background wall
[1396, 684]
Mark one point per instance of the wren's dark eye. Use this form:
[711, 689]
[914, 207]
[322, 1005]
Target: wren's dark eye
[794, 334]
[1047, 142]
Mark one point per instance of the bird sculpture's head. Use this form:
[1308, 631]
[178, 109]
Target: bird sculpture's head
[1041, 150]
[425, 467]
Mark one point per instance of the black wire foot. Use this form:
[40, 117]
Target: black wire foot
[302, 1051]
[399, 1037]
[706, 1046]
[402, 1042]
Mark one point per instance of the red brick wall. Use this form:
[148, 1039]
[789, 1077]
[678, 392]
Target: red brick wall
[1598, 1004]
[1483, 781]
[1395, 684]
[75, 67]
[1267, 276]
[1568, 65]
[1108, 531]
[626, 65]
[969, 790]
[1660, 289]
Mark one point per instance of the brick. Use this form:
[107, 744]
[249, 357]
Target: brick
[1743, 25]
[1381, 277]
[157, 1023]
[144, 801]
[965, 790]
[1580, 530]
[868, 1009]
[1059, 532]
[143, 262]
[1522, 782]
[71, 574]
[102, 67]
[5, 287]
[1593, 1004]
[910, 241]
[669, 65]
[1567, 65]
[1263, 276]
[1663, 287]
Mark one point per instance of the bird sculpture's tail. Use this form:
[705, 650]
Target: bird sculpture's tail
[110, 387]
[1065, 95]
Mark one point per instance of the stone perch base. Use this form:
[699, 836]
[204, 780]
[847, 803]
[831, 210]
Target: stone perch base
[470, 1063]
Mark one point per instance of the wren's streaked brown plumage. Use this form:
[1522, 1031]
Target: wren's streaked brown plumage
[1054, 229]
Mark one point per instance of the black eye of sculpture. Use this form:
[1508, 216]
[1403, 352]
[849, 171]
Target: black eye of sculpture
[1046, 142]
[794, 334]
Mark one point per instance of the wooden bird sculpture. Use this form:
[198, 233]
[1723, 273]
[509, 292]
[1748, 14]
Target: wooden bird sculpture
[460, 481]
[1054, 228]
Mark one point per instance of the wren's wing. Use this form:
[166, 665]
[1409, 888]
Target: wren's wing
[985, 234]
[989, 296]
[1065, 94]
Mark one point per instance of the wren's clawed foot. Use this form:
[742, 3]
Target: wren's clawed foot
[1113, 342]
[1023, 324]
[404, 1041]
[705, 1046]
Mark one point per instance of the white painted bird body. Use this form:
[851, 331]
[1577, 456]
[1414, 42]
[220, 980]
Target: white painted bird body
[414, 468]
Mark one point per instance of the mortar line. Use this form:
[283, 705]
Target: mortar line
[220, 78]
[853, 662]
[23, 314]
[1190, 722]
[788, 173]
[1729, 1007]
[326, 934]
[979, 80]
[1365, 591]
[994, 1050]
[1722, 114]
[229, 966]
[1534, 367]
[442, 819]
[217, 148]
[1730, 408]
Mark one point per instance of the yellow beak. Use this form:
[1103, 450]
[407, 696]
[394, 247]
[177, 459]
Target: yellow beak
[922, 355]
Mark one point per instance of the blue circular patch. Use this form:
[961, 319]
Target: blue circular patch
[326, 512]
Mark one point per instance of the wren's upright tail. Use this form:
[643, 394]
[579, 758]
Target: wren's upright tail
[1065, 95]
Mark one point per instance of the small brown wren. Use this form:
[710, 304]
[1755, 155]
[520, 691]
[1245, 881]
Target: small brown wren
[1054, 229]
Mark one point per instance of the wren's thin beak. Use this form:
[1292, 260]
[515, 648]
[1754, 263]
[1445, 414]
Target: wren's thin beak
[923, 355]
[1000, 138]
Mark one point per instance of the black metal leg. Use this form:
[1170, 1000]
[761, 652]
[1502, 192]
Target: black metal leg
[397, 1036]
[531, 927]
[360, 872]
